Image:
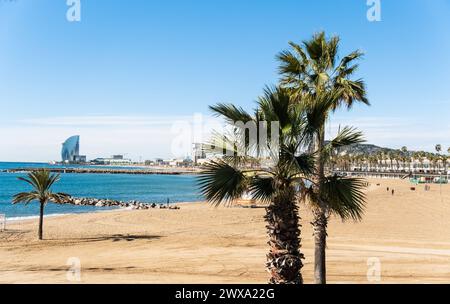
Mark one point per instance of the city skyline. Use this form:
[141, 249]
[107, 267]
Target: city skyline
[121, 82]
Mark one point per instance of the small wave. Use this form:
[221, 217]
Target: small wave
[32, 217]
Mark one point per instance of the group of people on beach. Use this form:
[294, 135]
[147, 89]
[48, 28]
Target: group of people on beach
[392, 190]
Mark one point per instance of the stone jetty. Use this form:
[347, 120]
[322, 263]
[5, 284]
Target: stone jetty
[134, 205]
[86, 170]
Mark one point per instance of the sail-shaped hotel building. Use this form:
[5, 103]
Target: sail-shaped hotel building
[71, 149]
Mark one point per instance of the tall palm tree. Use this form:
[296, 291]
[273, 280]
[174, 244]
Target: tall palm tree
[282, 183]
[444, 162]
[380, 158]
[405, 158]
[42, 182]
[391, 159]
[438, 150]
[372, 161]
[421, 158]
[313, 74]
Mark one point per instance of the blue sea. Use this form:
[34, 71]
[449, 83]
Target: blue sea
[144, 188]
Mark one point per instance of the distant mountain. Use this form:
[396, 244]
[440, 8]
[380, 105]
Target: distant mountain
[364, 149]
[373, 149]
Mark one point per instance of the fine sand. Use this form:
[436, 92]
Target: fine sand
[408, 233]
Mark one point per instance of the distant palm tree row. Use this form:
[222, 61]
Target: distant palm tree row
[314, 83]
[400, 160]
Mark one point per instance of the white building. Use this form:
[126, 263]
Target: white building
[114, 160]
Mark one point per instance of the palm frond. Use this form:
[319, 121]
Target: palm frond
[315, 47]
[59, 198]
[317, 109]
[262, 188]
[221, 183]
[274, 106]
[51, 180]
[345, 196]
[306, 163]
[231, 113]
[42, 182]
[351, 91]
[346, 137]
[290, 65]
[332, 50]
[346, 60]
[26, 197]
[299, 51]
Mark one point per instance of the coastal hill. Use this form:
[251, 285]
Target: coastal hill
[370, 149]
[364, 149]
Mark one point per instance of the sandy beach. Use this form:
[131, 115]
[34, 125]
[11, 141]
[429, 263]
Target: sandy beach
[408, 233]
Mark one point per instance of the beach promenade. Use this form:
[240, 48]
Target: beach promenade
[405, 234]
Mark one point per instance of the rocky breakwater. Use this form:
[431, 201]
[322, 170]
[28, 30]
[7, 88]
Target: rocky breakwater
[134, 205]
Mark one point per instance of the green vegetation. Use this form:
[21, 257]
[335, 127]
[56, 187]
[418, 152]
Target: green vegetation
[42, 182]
[312, 87]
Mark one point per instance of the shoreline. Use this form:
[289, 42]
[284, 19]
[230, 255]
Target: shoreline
[27, 218]
[21, 219]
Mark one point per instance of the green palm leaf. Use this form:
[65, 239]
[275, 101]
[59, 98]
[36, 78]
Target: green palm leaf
[263, 189]
[26, 197]
[231, 113]
[345, 196]
[346, 137]
[306, 163]
[220, 182]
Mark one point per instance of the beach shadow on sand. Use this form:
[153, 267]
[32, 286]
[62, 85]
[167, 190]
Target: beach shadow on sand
[92, 269]
[8, 236]
[12, 234]
[113, 238]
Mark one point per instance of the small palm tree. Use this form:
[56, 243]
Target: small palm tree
[230, 177]
[41, 181]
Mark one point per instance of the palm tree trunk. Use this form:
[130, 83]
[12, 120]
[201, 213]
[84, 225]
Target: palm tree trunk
[320, 244]
[284, 260]
[320, 217]
[41, 220]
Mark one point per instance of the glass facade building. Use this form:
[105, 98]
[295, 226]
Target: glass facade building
[71, 149]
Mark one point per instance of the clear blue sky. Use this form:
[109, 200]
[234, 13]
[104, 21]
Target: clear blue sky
[145, 58]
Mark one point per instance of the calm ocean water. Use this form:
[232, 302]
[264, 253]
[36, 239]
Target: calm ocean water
[145, 188]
